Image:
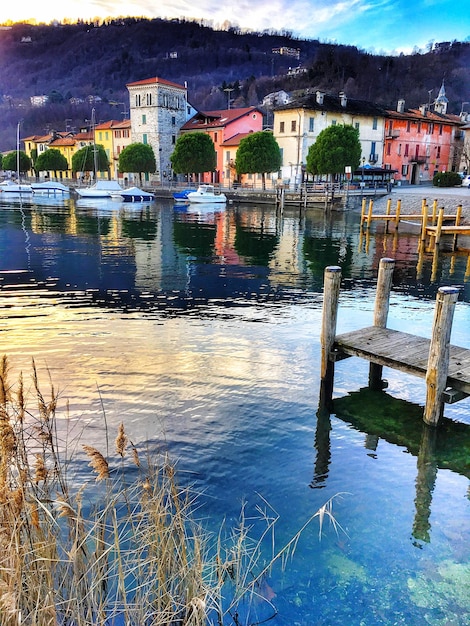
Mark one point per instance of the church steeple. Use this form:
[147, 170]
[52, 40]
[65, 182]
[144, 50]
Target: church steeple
[441, 102]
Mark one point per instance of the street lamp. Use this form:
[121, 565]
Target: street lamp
[362, 178]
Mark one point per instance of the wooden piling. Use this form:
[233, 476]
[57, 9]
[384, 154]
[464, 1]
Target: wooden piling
[332, 282]
[382, 299]
[438, 360]
[397, 215]
[457, 223]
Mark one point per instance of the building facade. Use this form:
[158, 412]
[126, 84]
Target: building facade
[222, 126]
[298, 124]
[422, 142]
[158, 109]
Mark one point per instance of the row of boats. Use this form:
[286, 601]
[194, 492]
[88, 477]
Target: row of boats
[101, 189]
[205, 193]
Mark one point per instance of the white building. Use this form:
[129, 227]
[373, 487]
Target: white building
[298, 124]
[158, 109]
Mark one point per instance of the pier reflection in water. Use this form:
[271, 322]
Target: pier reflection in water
[200, 329]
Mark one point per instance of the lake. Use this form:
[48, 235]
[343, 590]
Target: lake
[199, 329]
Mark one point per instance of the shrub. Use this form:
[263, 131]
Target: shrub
[446, 179]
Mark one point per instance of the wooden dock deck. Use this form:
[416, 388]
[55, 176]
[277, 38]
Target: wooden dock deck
[404, 352]
[445, 368]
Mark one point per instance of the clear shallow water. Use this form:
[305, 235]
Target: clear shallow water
[201, 332]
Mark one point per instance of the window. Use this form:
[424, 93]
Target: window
[118, 134]
[137, 100]
[106, 136]
[100, 136]
[173, 139]
[281, 127]
[356, 125]
[173, 120]
[408, 126]
[430, 128]
[333, 122]
[404, 170]
[419, 127]
[125, 133]
[227, 156]
[389, 147]
[149, 99]
[311, 124]
[216, 136]
[399, 149]
[293, 126]
[374, 123]
[440, 129]
[438, 152]
[144, 119]
[144, 138]
[407, 147]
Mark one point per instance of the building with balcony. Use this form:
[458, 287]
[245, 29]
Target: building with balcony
[421, 142]
[298, 124]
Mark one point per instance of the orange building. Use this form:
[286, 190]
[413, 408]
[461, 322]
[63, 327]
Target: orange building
[421, 142]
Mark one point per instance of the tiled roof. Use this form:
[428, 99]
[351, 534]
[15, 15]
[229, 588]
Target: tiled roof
[235, 140]
[332, 104]
[154, 81]
[217, 119]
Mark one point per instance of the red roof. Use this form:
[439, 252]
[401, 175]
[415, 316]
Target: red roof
[154, 81]
[216, 119]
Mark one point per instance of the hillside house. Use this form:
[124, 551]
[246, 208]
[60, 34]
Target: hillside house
[158, 109]
[222, 126]
[298, 124]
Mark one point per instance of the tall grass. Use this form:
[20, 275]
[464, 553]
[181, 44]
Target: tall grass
[122, 549]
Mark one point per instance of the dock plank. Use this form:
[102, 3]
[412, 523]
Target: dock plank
[403, 351]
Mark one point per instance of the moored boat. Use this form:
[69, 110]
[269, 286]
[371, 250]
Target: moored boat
[50, 188]
[9, 186]
[101, 189]
[206, 194]
[182, 195]
[133, 194]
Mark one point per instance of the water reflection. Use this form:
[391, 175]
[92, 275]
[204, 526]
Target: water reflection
[201, 331]
[381, 417]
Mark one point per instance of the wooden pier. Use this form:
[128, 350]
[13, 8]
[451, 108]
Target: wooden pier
[432, 225]
[445, 368]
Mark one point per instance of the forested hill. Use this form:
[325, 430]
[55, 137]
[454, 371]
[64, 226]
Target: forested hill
[79, 60]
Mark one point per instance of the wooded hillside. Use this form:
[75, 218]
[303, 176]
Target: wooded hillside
[83, 59]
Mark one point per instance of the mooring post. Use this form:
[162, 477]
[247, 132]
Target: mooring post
[382, 300]
[438, 360]
[331, 286]
[397, 215]
[457, 223]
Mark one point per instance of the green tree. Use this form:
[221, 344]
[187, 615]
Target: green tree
[10, 161]
[335, 148]
[83, 160]
[137, 158]
[1, 161]
[51, 160]
[194, 153]
[258, 153]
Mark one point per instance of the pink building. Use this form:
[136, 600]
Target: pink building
[222, 126]
[421, 142]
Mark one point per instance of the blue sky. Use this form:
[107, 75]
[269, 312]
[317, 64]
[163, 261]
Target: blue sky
[390, 26]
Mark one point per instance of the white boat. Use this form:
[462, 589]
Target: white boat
[50, 188]
[207, 194]
[101, 189]
[9, 186]
[133, 194]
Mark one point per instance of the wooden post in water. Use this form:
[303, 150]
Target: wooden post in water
[331, 285]
[382, 299]
[457, 223]
[438, 360]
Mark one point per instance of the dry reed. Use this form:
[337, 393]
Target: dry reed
[132, 555]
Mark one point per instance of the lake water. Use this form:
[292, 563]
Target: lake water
[199, 329]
